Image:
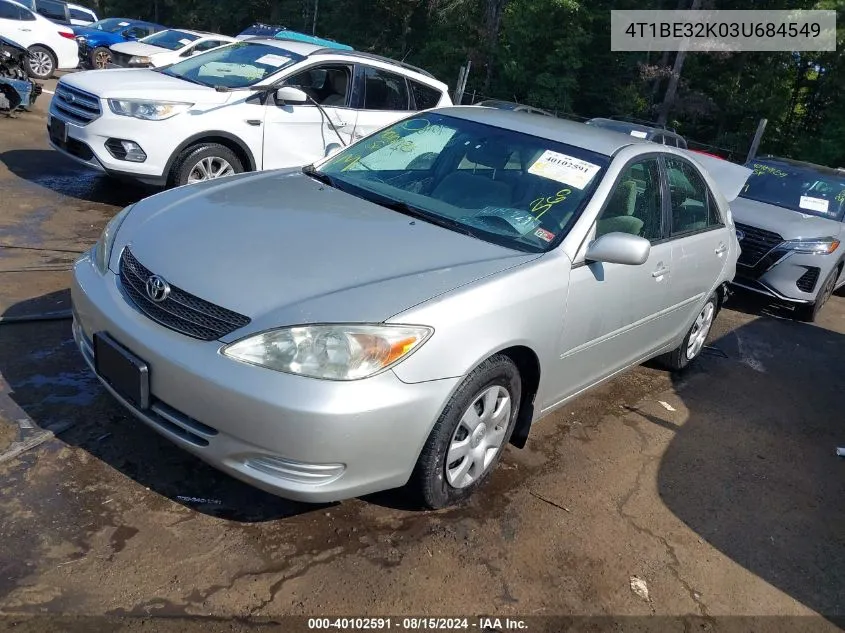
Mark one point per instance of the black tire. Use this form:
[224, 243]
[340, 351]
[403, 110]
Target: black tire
[680, 357]
[99, 57]
[191, 157]
[429, 479]
[42, 62]
[810, 312]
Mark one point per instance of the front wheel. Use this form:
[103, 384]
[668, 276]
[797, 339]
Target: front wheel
[42, 64]
[100, 57]
[466, 443]
[206, 161]
[810, 312]
[695, 339]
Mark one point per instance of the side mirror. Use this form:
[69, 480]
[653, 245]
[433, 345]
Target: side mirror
[333, 148]
[129, 35]
[291, 95]
[619, 248]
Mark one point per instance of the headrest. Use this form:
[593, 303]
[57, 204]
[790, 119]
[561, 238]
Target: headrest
[489, 154]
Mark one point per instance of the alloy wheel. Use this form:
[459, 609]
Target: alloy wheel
[40, 63]
[210, 168]
[102, 59]
[700, 330]
[478, 437]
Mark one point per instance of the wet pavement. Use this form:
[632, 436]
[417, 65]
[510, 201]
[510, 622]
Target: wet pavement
[717, 488]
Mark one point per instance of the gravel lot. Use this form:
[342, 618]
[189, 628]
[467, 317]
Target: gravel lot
[718, 489]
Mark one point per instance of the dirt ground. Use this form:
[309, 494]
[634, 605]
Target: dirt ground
[716, 491]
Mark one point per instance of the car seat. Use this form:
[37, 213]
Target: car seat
[619, 215]
[467, 189]
[338, 82]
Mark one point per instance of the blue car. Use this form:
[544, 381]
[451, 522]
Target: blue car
[94, 40]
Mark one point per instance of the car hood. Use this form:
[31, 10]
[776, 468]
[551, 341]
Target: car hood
[139, 48]
[142, 83]
[789, 224]
[285, 249]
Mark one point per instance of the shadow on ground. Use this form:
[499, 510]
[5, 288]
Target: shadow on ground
[753, 469]
[52, 170]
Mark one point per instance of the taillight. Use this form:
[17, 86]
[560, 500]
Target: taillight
[67, 35]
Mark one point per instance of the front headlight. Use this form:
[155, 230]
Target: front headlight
[814, 246]
[333, 352]
[148, 110]
[137, 59]
[103, 247]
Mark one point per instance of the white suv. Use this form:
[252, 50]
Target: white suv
[256, 104]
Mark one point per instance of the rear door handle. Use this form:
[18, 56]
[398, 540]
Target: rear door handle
[660, 272]
[721, 249]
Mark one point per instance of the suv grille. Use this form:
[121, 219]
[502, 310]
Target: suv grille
[180, 311]
[75, 105]
[808, 280]
[756, 244]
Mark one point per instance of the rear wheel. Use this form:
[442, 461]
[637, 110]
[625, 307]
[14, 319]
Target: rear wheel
[810, 312]
[466, 443]
[100, 57]
[206, 161]
[42, 63]
[695, 339]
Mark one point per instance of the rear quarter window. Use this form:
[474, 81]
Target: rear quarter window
[425, 97]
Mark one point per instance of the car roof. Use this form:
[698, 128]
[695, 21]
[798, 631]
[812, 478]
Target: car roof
[823, 169]
[588, 137]
[201, 33]
[308, 50]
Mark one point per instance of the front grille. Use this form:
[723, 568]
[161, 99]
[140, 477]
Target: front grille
[75, 105]
[756, 244]
[180, 311]
[807, 281]
[120, 59]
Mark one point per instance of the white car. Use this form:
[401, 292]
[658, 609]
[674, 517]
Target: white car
[81, 16]
[164, 48]
[51, 46]
[252, 105]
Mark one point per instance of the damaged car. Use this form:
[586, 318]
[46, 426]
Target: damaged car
[17, 90]
[398, 313]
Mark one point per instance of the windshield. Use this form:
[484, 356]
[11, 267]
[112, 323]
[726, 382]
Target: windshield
[797, 188]
[235, 66]
[110, 25]
[171, 40]
[496, 184]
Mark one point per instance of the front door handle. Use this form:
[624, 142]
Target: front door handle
[721, 249]
[660, 272]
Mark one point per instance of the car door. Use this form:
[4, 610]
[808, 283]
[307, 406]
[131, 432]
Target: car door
[384, 99]
[18, 24]
[615, 313]
[298, 134]
[698, 237]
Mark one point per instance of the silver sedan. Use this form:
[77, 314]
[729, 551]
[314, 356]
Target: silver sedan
[401, 311]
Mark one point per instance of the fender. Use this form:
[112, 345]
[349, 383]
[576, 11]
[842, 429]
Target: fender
[192, 140]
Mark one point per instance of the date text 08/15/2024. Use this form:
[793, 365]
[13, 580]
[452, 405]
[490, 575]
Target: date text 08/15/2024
[417, 624]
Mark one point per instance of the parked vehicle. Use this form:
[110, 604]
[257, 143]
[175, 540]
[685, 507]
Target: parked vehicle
[95, 39]
[164, 48]
[81, 16]
[260, 30]
[56, 11]
[513, 107]
[283, 33]
[256, 104]
[789, 217]
[355, 325]
[17, 90]
[51, 46]
[644, 130]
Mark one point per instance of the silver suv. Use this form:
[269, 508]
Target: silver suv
[789, 223]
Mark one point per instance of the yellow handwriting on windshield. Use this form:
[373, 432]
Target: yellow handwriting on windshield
[840, 197]
[542, 205]
[759, 170]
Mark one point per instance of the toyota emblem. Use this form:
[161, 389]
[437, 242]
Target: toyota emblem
[157, 288]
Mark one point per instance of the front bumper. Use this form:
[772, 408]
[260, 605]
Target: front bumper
[786, 275]
[86, 144]
[227, 413]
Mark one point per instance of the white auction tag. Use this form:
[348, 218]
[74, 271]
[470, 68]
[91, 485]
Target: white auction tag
[562, 168]
[814, 204]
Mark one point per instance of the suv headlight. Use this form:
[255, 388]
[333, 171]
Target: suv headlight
[103, 247]
[813, 246]
[332, 352]
[148, 110]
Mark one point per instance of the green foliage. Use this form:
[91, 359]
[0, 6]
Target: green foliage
[556, 54]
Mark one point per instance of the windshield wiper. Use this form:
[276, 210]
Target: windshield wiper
[324, 178]
[432, 218]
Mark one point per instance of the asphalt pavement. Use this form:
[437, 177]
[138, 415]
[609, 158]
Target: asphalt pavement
[711, 493]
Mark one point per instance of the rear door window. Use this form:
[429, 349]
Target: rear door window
[384, 90]
[689, 197]
[425, 97]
